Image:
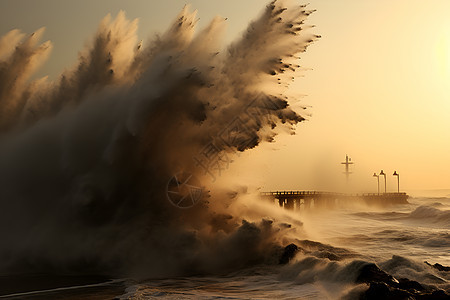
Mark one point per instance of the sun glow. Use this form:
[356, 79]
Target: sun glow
[443, 55]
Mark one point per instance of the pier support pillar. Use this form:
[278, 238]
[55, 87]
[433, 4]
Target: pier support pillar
[306, 203]
[281, 202]
[289, 204]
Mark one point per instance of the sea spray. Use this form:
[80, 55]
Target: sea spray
[85, 161]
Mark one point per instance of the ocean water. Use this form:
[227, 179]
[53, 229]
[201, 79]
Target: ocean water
[399, 239]
[334, 246]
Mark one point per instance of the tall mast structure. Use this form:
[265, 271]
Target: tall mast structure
[347, 163]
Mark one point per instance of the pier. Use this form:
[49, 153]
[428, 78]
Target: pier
[304, 200]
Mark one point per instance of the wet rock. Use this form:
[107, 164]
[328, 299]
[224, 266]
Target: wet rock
[371, 273]
[439, 267]
[380, 290]
[436, 295]
[384, 286]
[410, 285]
[376, 290]
[288, 253]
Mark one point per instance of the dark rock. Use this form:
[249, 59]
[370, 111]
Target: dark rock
[410, 285]
[398, 294]
[376, 290]
[370, 273]
[436, 295]
[404, 290]
[384, 286]
[380, 290]
[440, 294]
[439, 267]
[288, 253]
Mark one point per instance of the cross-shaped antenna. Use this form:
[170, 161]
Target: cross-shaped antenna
[348, 161]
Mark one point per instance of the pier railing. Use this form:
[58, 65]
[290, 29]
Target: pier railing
[301, 193]
[292, 199]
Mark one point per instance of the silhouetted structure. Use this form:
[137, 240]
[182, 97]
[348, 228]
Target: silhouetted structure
[298, 200]
[384, 174]
[348, 161]
[398, 180]
[378, 182]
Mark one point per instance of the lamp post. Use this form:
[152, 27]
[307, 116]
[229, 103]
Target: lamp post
[398, 181]
[384, 174]
[378, 181]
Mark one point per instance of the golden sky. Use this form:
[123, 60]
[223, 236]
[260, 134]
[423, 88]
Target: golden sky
[379, 88]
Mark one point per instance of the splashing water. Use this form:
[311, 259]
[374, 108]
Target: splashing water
[85, 161]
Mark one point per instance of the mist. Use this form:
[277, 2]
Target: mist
[86, 161]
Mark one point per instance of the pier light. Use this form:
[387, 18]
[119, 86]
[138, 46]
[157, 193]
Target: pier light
[378, 181]
[398, 181]
[384, 174]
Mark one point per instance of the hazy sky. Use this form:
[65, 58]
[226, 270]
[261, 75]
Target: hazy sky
[379, 88]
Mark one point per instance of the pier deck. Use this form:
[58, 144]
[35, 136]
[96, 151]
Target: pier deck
[309, 199]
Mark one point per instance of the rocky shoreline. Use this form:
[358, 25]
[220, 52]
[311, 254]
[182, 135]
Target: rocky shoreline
[381, 284]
